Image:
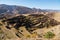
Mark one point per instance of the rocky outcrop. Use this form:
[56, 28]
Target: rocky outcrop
[23, 26]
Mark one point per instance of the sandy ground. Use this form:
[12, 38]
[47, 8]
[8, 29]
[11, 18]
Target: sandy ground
[57, 16]
[55, 30]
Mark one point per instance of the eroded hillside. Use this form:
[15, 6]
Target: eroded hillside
[22, 27]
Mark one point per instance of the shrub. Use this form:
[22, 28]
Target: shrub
[28, 36]
[0, 24]
[49, 35]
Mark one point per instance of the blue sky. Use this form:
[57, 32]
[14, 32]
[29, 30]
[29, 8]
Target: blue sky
[42, 4]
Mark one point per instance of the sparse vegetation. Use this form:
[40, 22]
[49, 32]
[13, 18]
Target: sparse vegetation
[28, 36]
[49, 35]
[23, 22]
[1, 35]
[0, 24]
[31, 23]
